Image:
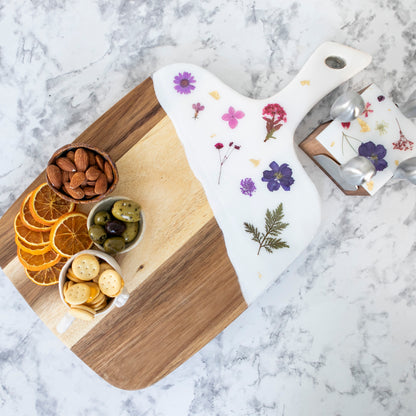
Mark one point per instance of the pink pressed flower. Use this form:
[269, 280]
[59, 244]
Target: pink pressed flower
[232, 117]
[367, 110]
[198, 107]
[237, 147]
[346, 125]
[219, 146]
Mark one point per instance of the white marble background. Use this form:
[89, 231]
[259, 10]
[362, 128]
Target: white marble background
[336, 335]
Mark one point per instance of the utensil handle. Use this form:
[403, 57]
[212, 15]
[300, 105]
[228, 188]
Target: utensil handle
[122, 298]
[64, 323]
[329, 66]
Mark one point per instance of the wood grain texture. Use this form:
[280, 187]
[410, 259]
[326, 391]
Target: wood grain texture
[175, 312]
[115, 132]
[312, 147]
[184, 290]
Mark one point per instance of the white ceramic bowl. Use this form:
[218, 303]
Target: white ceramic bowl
[118, 301]
[105, 205]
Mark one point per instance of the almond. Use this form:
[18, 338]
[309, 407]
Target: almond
[77, 180]
[92, 173]
[65, 164]
[108, 170]
[100, 161]
[54, 175]
[81, 160]
[89, 191]
[101, 184]
[91, 183]
[65, 177]
[71, 155]
[76, 193]
[91, 158]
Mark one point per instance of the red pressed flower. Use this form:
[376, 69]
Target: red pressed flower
[346, 125]
[237, 147]
[231, 143]
[219, 146]
[274, 110]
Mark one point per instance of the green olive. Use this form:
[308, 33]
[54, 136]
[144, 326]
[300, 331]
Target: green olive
[114, 245]
[102, 217]
[97, 233]
[126, 210]
[131, 231]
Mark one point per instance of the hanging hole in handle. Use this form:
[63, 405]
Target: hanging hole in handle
[335, 62]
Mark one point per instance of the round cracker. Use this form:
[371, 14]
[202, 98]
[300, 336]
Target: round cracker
[95, 291]
[86, 267]
[110, 283]
[79, 313]
[71, 276]
[78, 293]
[105, 266]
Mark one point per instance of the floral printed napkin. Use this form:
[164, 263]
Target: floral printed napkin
[381, 133]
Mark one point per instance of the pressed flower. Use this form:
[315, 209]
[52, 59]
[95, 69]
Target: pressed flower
[367, 110]
[184, 83]
[232, 117]
[274, 115]
[381, 98]
[197, 107]
[247, 186]
[224, 158]
[403, 143]
[375, 153]
[346, 125]
[278, 176]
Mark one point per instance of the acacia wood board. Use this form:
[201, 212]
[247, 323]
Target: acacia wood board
[183, 288]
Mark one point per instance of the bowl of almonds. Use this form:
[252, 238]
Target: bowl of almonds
[81, 173]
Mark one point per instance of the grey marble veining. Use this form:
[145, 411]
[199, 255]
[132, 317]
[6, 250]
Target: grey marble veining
[335, 335]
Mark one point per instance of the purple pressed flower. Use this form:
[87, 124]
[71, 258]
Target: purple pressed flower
[184, 83]
[247, 186]
[232, 117]
[375, 153]
[278, 176]
[381, 98]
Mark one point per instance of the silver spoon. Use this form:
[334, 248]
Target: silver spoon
[357, 170]
[347, 107]
[407, 170]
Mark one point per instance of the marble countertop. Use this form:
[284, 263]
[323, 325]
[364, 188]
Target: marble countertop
[336, 334]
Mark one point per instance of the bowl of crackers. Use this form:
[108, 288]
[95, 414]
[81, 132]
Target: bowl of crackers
[91, 284]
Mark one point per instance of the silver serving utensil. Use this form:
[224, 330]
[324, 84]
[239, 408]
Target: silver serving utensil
[357, 170]
[408, 109]
[349, 175]
[347, 107]
[406, 170]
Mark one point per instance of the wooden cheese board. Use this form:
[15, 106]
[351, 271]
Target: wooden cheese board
[183, 288]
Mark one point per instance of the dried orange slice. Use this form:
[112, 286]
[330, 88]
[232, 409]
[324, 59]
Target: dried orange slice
[27, 217]
[46, 277]
[29, 248]
[69, 234]
[46, 206]
[37, 262]
[28, 236]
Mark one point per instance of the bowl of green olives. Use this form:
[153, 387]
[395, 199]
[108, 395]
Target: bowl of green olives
[115, 224]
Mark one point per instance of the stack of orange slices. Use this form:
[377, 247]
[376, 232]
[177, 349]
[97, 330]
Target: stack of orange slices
[48, 232]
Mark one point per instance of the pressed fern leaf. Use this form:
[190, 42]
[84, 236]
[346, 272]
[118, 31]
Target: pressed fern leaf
[273, 227]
